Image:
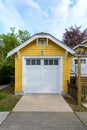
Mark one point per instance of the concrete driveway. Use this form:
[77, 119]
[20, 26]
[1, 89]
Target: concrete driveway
[42, 103]
[42, 121]
[43, 112]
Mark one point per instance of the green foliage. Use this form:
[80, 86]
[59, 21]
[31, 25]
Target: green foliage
[11, 40]
[8, 42]
[5, 73]
[22, 36]
[3, 96]
[74, 36]
[7, 99]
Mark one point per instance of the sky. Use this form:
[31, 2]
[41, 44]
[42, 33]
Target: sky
[50, 16]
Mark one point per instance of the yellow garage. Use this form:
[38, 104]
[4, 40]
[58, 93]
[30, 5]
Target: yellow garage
[42, 65]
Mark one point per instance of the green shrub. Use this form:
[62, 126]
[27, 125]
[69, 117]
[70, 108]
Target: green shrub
[5, 72]
[3, 96]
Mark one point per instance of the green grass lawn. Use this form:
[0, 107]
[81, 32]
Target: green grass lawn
[7, 99]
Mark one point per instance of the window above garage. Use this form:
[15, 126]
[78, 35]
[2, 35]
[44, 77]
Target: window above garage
[33, 62]
[51, 61]
[42, 42]
[45, 62]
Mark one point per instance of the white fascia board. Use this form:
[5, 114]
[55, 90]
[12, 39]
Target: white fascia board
[24, 44]
[52, 38]
[40, 36]
[84, 41]
[62, 45]
[79, 45]
[12, 52]
[76, 46]
[20, 46]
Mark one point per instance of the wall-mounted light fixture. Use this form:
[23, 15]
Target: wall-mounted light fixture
[42, 52]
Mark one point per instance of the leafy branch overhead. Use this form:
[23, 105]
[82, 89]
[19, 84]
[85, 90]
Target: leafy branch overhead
[12, 39]
[74, 36]
[9, 41]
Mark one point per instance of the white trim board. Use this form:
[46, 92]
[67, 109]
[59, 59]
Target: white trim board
[42, 57]
[84, 41]
[80, 45]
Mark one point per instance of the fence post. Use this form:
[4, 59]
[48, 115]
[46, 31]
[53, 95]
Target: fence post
[79, 81]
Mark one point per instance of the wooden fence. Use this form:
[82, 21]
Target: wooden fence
[84, 92]
[72, 90]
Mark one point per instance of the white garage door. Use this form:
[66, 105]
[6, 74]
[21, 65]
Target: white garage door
[42, 76]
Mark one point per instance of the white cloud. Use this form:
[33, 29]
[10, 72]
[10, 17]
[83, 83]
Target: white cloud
[78, 14]
[48, 20]
[79, 10]
[1, 5]
[49, 16]
[69, 16]
[9, 17]
[32, 3]
[57, 23]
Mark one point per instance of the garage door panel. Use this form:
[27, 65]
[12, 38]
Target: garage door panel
[32, 78]
[50, 80]
[36, 89]
[43, 78]
[33, 75]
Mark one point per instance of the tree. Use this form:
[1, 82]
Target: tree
[8, 42]
[22, 36]
[73, 36]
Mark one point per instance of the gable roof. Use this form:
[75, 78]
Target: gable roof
[40, 35]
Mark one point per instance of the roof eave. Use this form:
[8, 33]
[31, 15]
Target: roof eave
[40, 36]
[84, 41]
[79, 45]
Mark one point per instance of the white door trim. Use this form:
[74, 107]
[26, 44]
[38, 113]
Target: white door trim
[42, 57]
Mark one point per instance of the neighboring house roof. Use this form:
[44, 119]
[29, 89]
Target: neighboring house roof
[40, 35]
[84, 41]
[80, 45]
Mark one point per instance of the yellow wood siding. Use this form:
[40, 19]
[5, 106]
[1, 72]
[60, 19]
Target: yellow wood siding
[18, 74]
[66, 72]
[32, 50]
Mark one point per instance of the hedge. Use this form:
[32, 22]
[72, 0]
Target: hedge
[5, 72]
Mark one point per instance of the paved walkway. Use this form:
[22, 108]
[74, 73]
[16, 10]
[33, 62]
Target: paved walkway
[3, 116]
[33, 117]
[83, 117]
[42, 103]
[4, 86]
[42, 121]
